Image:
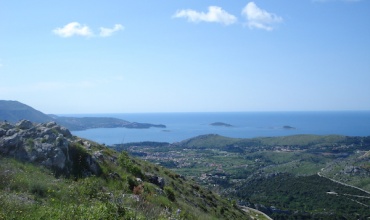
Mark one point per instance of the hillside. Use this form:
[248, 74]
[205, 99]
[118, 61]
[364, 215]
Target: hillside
[46, 173]
[285, 177]
[14, 111]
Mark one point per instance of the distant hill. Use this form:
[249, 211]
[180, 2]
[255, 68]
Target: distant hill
[14, 111]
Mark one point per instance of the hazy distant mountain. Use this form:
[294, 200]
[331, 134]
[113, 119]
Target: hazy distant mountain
[14, 111]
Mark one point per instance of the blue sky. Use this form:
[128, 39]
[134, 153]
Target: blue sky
[118, 56]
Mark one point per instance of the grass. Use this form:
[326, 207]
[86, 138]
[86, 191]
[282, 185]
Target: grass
[29, 191]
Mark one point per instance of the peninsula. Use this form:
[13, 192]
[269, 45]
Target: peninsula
[14, 111]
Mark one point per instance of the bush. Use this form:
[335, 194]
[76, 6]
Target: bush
[170, 193]
[132, 183]
[78, 155]
[125, 161]
[38, 189]
[91, 188]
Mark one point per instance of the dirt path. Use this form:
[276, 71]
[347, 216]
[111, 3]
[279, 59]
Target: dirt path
[344, 184]
[258, 214]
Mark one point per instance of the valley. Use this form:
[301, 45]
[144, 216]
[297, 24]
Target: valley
[248, 169]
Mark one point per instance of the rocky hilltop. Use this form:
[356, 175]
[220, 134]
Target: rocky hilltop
[48, 144]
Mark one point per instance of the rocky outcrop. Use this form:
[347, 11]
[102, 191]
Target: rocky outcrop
[48, 144]
[157, 180]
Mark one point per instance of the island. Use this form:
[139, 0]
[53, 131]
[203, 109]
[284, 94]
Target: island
[221, 124]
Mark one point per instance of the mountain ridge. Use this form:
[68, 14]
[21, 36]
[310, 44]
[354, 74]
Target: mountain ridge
[14, 111]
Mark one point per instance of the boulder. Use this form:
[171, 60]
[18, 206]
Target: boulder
[6, 126]
[10, 141]
[59, 159]
[10, 132]
[2, 132]
[157, 180]
[24, 124]
[64, 131]
[93, 166]
[51, 124]
[115, 176]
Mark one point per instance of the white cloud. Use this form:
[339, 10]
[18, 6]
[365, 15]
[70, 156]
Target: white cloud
[76, 29]
[259, 18]
[107, 32]
[214, 14]
[73, 28]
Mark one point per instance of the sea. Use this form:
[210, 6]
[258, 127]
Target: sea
[182, 126]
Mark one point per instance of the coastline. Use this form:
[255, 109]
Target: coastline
[181, 126]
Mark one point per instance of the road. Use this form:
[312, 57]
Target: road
[344, 184]
[259, 214]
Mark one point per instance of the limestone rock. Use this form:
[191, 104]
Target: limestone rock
[46, 144]
[6, 126]
[2, 132]
[24, 124]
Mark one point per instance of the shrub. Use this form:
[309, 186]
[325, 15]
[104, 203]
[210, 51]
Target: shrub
[138, 190]
[91, 187]
[30, 142]
[170, 193]
[136, 171]
[125, 161]
[132, 183]
[38, 189]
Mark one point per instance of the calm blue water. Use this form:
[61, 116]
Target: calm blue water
[181, 126]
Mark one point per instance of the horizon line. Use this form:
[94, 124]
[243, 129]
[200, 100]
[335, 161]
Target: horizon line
[213, 112]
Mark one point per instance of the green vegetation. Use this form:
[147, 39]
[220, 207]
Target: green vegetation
[308, 194]
[212, 177]
[125, 188]
[244, 169]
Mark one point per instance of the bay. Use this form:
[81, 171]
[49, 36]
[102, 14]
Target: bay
[181, 126]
